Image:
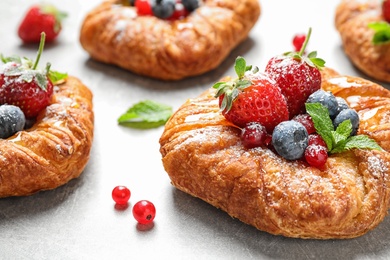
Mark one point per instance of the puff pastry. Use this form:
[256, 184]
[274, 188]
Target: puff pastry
[203, 156]
[168, 50]
[351, 20]
[55, 149]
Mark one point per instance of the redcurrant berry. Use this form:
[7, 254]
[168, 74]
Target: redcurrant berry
[121, 194]
[316, 155]
[317, 140]
[143, 7]
[306, 121]
[386, 10]
[254, 135]
[298, 41]
[144, 211]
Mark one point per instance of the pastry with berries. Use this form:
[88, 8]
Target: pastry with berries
[364, 28]
[46, 126]
[315, 168]
[167, 39]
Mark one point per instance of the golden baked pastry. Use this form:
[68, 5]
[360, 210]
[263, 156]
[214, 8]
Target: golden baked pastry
[169, 50]
[204, 156]
[352, 19]
[55, 149]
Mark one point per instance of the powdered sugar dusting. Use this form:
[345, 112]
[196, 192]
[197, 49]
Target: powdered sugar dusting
[377, 166]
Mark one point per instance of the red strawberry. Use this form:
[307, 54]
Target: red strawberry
[25, 86]
[253, 97]
[41, 18]
[386, 10]
[297, 76]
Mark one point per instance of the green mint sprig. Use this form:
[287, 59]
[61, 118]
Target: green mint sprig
[145, 115]
[338, 140]
[231, 89]
[382, 32]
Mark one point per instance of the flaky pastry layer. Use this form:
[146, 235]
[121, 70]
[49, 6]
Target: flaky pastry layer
[203, 156]
[55, 149]
[169, 50]
[351, 20]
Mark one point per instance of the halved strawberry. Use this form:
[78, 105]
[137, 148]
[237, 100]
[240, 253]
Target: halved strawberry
[297, 76]
[252, 97]
[24, 85]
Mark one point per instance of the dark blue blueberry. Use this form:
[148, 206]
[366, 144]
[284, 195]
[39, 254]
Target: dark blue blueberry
[12, 120]
[290, 139]
[325, 98]
[341, 104]
[346, 114]
[163, 8]
[190, 5]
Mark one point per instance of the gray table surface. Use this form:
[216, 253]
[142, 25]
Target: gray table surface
[79, 220]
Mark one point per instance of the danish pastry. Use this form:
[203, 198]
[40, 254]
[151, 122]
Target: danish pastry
[55, 149]
[204, 157]
[352, 21]
[114, 33]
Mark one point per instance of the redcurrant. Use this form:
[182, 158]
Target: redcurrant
[316, 155]
[298, 41]
[306, 121]
[254, 135]
[144, 211]
[143, 7]
[317, 140]
[121, 194]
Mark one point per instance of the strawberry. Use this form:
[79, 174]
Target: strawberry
[386, 10]
[252, 97]
[297, 76]
[41, 18]
[25, 86]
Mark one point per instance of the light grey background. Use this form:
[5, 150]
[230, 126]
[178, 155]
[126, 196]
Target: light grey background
[79, 219]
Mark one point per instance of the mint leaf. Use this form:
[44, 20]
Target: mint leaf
[344, 129]
[382, 32]
[56, 77]
[145, 115]
[240, 66]
[322, 122]
[362, 142]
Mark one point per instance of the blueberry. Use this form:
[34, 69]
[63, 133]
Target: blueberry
[341, 104]
[190, 5]
[12, 120]
[290, 139]
[346, 114]
[325, 98]
[163, 8]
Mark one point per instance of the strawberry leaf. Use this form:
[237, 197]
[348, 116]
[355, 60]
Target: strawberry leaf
[382, 32]
[240, 67]
[145, 115]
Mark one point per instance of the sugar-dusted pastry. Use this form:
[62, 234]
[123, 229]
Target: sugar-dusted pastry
[46, 123]
[165, 40]
[321, 172]
[363, 26]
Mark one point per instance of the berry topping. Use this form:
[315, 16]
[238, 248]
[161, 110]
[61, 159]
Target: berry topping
[144, 212]
[41, 18]
[305, 120]
[12, 120]
[316, 155]
[341, 104]
[143, 7]
[325, 98]
[317, 140]
[24, 85]
[190, 5]
[163, 8]
[121, 195]
[290, 139]
[297, 76]
[252, 97]
[254, 135]
[298, 41]
[348, 114]
[386, 10]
